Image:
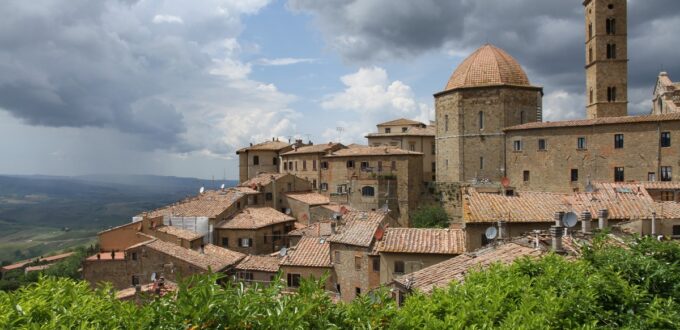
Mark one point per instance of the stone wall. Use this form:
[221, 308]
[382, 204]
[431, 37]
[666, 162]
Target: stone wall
[422, 144]
[305, 166]
[348, 276]
[412, 262]
[263, 239]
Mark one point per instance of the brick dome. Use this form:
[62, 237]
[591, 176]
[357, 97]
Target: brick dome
[488, 66]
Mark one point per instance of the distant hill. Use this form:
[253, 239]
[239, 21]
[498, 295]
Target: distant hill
[35, 210]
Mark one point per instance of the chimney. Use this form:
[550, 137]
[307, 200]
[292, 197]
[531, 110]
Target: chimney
[502, 230]
[202, 248]
[113, 255]
[603, 219]
[556, 232]
[653, 223]
[586, 219]
[99, 256]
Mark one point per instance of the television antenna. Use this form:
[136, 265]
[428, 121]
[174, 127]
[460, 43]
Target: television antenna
[340, 129]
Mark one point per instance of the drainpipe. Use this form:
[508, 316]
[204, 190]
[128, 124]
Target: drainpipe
[586, 218]
[653, 223]
[603, 219]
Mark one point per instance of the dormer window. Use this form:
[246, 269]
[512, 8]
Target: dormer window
[388, 130]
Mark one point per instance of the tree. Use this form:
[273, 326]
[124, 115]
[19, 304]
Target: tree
[430, 217]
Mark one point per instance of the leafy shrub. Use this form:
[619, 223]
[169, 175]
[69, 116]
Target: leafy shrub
[430, 217]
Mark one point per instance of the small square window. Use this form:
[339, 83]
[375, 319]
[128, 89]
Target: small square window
[618, 141]
[517, 145]
[574, 175]
[350, 164]
[542, 144]
[665, 139]
[293, 280]
[399, 267]
[619, 174]
[526, 175]
[581, 143]
[666, 173]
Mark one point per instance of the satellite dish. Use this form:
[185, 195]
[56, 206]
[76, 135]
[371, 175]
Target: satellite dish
[336, 216]
[288, 211]
[570, 219]
[505, 182]
[222, 186]
[153, 276]
[283, 251]
[200, 191]
[491, 232]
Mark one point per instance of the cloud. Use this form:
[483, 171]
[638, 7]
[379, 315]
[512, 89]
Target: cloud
[372, 97]
[284, 61]
[547, 37]
[159, 19]
[113, 65]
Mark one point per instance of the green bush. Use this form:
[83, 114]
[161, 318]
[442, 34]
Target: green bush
[430, 217]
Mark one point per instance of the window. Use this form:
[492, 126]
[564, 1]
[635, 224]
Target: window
[357, 262]
[357, 291]
[285, 166]
[304, 165]
[666, 173]
[611, 94]
[289, 186]
[590, 55]
[446, 123]
[268, 196]
[324, 165]
[314, 165]
[676, 230]
[404, 129]
[376, 265]
[341, 189]
[350, 164]
[380, 166]
[225, 241]
[275, 161]
[434, 148]
[611, 51]
[618, 174]
[651, 176]
[135, 280]
[388, 130]
[574, 175]
[525, 176]
[665, 139]
[541, 144]
[481, 120]
[245, 242]
[667, 196]
[336, 258]
[591, 95]
[517, 145]
[277, 235]
[393, 166]
[290, 165]
[314, 184]
[246, 276]
[434, 166]
[293, 280]
[481, 163]
[590, 30]
[368, 191]
[255, 199]
[256, 160]
[412, 146]
[522, 117]
[133, 256]
[323, 186]
[364, 166]
[398, 267]
[611, 26]
[618, 141]
[238, 205]
[581, 143]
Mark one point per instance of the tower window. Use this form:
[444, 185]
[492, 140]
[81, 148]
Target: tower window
[619, 174]
[591, 95]
[611, 26]
[610, 6]
[581, 143]
[574, 175]
[618, 141]
[481, 120]
[481, 163]
[611, 94]
[590, 30]
[666, 173]
[611, 51]
[526, 176]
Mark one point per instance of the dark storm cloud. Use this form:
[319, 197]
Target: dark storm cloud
[546, 36]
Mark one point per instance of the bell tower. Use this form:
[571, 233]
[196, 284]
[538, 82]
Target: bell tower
[606, 58]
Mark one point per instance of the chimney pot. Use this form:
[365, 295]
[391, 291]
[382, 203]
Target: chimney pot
[603, 219]
[558, 218]
[556, 232]
[586, 219]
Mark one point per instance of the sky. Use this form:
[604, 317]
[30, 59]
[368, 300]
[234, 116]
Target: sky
[173, 87]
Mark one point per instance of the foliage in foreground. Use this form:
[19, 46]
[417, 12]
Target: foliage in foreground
[609, 288]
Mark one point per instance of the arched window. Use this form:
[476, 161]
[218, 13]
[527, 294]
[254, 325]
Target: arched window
[368, 191]
[481, 120]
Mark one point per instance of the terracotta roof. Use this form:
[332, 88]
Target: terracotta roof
[309, 198]
[337, 208]
[179, 232]
[246, 190]
[259, 263]
[371, 151]
[309, 252]
[597, 121]
[266, 146]
[57, 257]
[254, 218]
[423, 241]
[356, 145]
[523, 207]
[17, 265]
[455, 269]
[314, 149]
[107, 256]
[263, 179]
[209, 204]
[661, 185]
[317, 229]
[400, 121]
[411, 131]
[213, 257]
[359, 228]
[488, 66]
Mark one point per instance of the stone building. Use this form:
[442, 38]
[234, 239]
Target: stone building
[408, 135]
[255, 230]
[606, 58]
[304, 162]
[260, 158]
[121, 237]
[369, 178]
[270, 189]
[351, 246]
[317, 229]
[486, 93]
[310, 258]
[406, 250]
[261, 270]
[666, 95]
[301, 205]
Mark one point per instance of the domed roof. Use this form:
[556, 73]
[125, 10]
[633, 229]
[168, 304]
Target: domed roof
[488, 66]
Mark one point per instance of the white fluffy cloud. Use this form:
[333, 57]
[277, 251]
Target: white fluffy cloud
[159, 19]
